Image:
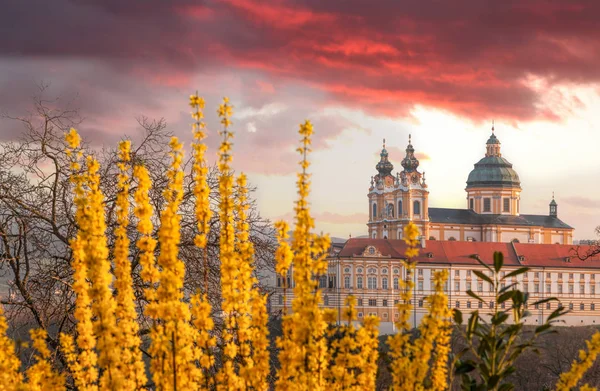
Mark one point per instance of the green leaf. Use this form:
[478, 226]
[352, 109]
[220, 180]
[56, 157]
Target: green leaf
[458, 317]
[505, 296]
[546, 300]
[499, 318]
[492, 381]
[464, 367]
[472, 325]
[483, 276]
[473, 295]
[542, 328]
[498, 261]
[508, 287]
[476, 257]
[516, 272]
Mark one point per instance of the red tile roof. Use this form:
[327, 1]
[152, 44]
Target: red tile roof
[455, 252]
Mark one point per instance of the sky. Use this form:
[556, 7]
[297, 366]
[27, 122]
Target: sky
[360, 71]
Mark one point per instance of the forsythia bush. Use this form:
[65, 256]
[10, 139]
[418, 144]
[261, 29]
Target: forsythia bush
[186, 352]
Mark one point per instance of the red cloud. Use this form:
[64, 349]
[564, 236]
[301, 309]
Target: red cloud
[472, 58]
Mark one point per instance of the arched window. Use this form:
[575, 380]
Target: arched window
[374, 216]
[384, 283]
[372, 282]
[471, 206]
[396, 283]
[359, 282]
[417, 207]
[452, 239]
[432, 238]
[347, 282]
[390, 210]
[374, 235]
[515, 240]
[400, 208]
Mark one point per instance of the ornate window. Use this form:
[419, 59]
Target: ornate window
[384, 271]
[359, 282]
[346, 282]
[515, 240]
[359, 270]
[487, 204]
[372, 270]
[374, 211]
[471, 206]
[371, 250]
[452, 239]
[417, 207]
[400, 208]
[396, 271]
[384, 283]
[432, 238]
[396, 283]
[346, 270]
[372, 282]
[506, 205]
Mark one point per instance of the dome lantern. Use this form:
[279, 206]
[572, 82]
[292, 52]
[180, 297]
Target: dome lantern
[493, 145]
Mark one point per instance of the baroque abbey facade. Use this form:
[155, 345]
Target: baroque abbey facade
[492, 212]
[371, 268]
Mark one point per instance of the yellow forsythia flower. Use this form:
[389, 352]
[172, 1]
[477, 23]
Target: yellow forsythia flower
[10, 377]
[131, 366]
[568, 380]
[303, 355]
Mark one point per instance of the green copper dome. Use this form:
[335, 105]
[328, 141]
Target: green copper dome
[493, 171]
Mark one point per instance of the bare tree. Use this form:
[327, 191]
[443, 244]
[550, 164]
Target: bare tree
[37, 218]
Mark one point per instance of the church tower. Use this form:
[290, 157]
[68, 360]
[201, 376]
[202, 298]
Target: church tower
[396, 200]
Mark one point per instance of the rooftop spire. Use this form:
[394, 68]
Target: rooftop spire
[410, 162]
[384, 166]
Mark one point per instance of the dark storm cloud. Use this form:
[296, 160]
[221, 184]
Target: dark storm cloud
[473, 58]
